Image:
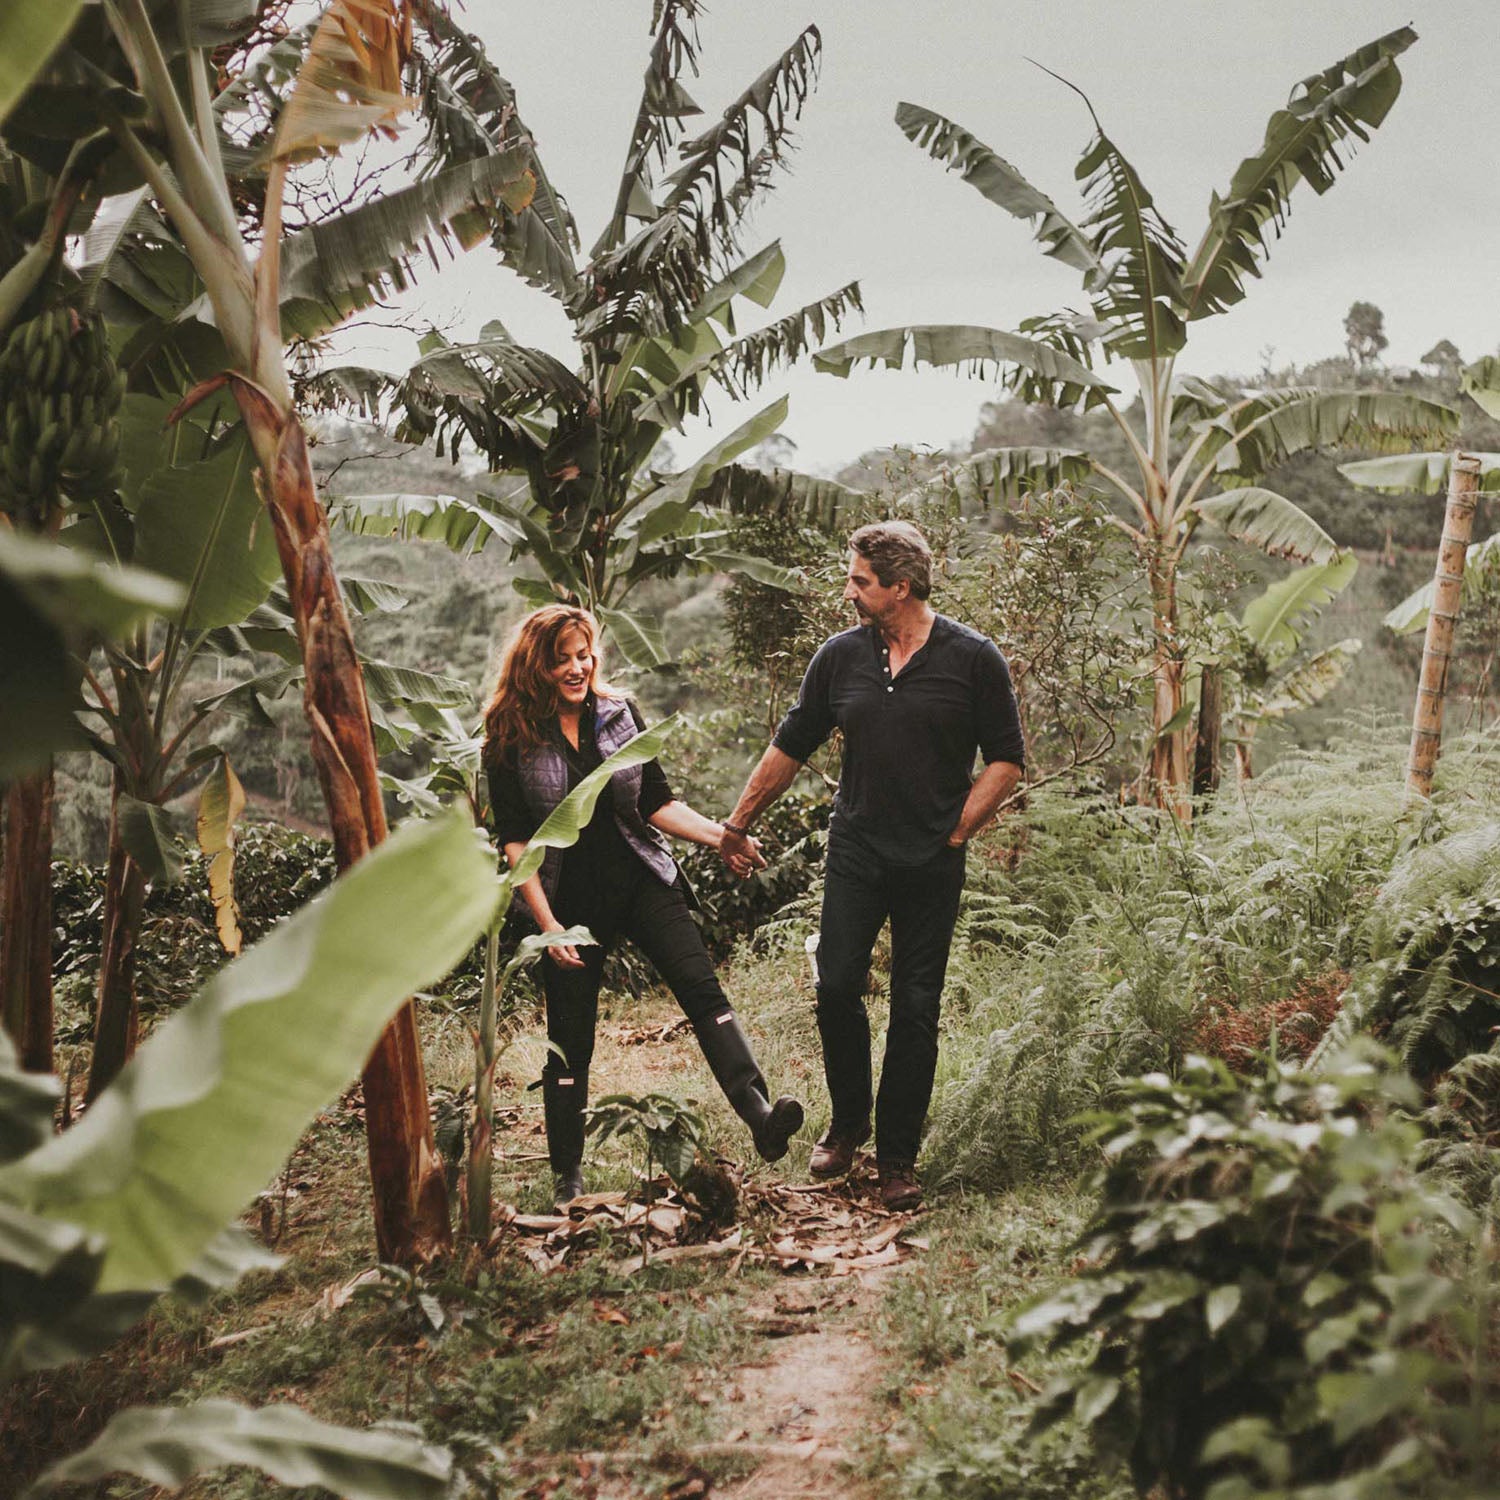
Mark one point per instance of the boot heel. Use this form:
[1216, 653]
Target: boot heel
[782, 1122]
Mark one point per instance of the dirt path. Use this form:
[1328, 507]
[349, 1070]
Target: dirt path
[806, 1409]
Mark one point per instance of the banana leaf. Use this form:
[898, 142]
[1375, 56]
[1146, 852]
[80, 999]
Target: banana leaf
[168, 1445]
[1271, 522]
[1305, 142]
[209, 1108]
[1271, 620]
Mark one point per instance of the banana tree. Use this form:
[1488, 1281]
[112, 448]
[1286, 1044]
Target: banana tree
[653, 313]
[59, 390]
[59, 603]
[187, 509]
[134, 84]
[1199, 450]
[1270, 680]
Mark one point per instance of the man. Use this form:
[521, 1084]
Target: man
[915, 694]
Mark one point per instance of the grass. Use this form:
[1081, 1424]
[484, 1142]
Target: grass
[962, 1403]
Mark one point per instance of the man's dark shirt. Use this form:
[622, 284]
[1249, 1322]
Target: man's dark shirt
[909, 740]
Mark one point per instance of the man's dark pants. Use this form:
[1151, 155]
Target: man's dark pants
[860, 891]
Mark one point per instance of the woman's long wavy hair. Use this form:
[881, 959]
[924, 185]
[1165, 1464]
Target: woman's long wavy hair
[525, 697]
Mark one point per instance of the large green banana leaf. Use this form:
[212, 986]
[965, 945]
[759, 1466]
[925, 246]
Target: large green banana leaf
[55, 602]
[1419, 473]
[1257, 434]
[30, 32]
[658, 512]
[1000, 476]
[1139, 296]
[204, 525]
[1271, 522]
[347, 263]
[209, 1108]
[1271, 620]
[822, 503]
[147, 836]
[957, 344]
[508, 375]
[1002, 184]
[745, 363]
[658, 126]
[637, 639]
[756, 279]
[722, 168]
[472, 112]
[168, 1445]
[1481, 567]
[1311, 682]
[464, 525]
[1303, 144]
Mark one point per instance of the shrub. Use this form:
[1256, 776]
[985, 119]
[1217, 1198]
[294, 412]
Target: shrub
[1258, 1274]
[794, 833]
[1433, 982]
[276, 871]
[1096, 956]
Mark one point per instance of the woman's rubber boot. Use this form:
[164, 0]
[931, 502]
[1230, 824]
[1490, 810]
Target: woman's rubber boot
[564, 1098]
[729, 1056]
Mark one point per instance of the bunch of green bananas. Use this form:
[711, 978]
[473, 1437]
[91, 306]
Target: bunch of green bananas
[60, 394]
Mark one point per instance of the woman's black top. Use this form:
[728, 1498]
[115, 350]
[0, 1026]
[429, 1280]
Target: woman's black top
[601, 860]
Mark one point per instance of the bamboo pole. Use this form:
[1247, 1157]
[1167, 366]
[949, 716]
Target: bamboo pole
[1447, 596]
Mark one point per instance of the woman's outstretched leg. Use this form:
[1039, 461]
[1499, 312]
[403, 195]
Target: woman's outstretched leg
[662, 927]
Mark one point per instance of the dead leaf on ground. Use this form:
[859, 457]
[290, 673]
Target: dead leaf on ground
[829, 1229]
[338, 1294]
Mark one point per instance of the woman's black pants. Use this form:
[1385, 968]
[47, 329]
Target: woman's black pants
[656, 918]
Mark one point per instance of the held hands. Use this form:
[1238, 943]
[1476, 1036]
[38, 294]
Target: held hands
[740, 853]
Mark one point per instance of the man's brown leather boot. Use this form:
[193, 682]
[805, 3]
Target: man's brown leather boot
[899, 1188]
[834, 1154]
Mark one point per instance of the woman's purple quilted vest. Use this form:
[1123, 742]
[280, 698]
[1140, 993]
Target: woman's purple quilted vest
[544, 781]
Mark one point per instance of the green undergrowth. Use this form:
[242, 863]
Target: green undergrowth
[962, 1402]
[1119, 937]
[513, 1369]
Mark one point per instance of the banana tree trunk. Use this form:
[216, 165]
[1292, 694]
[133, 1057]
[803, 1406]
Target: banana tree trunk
[410, 1193]
[116, 1018]
[1447, 594]
[1167, 770]
[26, 920]
[481, 1138]
[1210, 731]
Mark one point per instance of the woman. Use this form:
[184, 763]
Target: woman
[552, 721]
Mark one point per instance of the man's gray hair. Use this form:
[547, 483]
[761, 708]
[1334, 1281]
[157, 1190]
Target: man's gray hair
[896, 549]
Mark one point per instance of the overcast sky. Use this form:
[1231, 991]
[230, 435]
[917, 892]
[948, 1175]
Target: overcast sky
[1184, 87]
